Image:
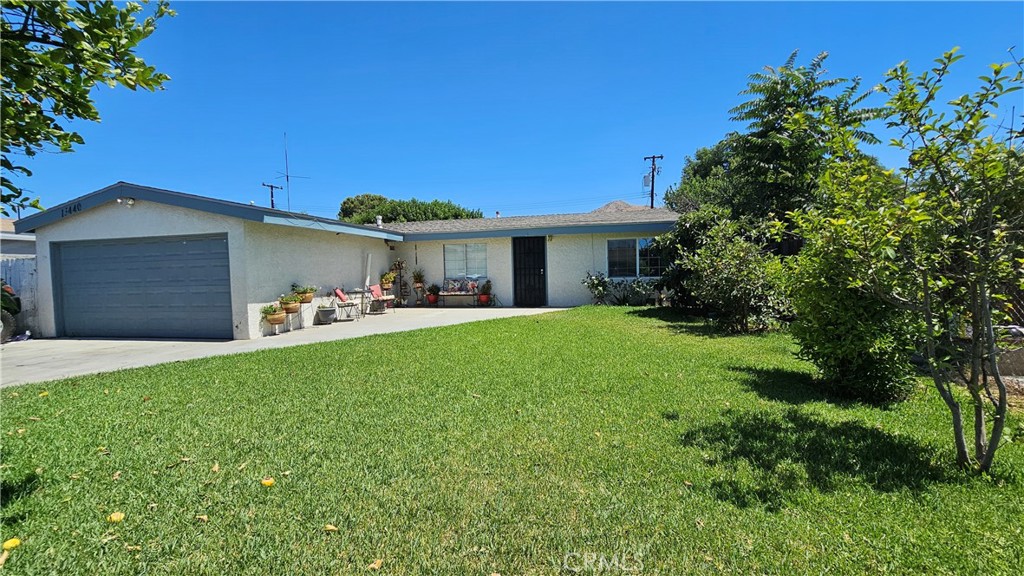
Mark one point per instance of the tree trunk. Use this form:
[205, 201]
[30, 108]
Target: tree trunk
[976, 383]
[999, 419]
[941, 380]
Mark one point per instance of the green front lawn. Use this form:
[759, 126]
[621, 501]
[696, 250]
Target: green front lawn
[532, 445]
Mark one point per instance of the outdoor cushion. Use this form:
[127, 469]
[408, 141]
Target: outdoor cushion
[341, 295]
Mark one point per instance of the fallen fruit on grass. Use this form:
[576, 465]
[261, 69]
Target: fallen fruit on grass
[116, 517]
[44, 394]
[203, 518]
[268, 481]
[11, 544]
[376, 564]
[330, 528]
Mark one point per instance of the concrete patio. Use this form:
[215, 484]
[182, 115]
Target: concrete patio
[52, 359]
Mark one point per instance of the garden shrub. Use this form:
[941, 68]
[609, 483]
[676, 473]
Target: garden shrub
[685, 238]
[738, 283]
[598, 284]
[632, 292]
[861, 344]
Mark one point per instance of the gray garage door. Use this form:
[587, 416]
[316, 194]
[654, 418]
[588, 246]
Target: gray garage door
[168, 287]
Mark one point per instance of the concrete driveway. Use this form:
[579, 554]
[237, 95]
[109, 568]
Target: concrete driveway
[55, 358]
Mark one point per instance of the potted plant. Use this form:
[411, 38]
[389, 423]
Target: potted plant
[326, 312]
[305, 292]
[387, 280]
[290, 303]
[484, 297]
[433, 292]
[418, 276]
[273, 314]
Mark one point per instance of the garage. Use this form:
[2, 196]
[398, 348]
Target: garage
[152, 287]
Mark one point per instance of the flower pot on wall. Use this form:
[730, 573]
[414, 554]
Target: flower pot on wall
[291, 307]
[274, 319]
[307, 297]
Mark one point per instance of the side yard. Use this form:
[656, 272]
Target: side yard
[529, 445]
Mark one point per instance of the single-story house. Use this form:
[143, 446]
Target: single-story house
[133, 261]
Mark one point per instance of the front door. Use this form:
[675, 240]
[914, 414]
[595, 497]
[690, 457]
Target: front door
[529, 258]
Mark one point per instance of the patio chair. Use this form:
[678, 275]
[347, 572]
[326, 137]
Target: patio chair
[378, 301]
[346, 305]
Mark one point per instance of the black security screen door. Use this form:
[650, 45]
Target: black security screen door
[528, 262]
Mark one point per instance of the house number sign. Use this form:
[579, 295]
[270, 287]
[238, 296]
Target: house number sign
[70, 209]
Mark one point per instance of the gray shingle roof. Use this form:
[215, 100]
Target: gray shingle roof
[601, 216]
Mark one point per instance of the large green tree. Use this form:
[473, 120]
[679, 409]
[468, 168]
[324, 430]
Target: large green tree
[705, 179]
[943, 246]
[52, 54]
[773, 166]
[364, 209]
[777, 161]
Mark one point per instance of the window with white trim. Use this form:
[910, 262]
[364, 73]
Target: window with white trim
[465, 260]
[632, 257]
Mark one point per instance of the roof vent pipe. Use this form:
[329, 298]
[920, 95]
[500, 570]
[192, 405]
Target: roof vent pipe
[380, 221]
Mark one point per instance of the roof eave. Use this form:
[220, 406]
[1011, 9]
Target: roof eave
[337, 228]
[618, 228]
[199, 203]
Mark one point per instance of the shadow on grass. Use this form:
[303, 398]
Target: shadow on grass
[782, 385]
[795, 387]
[770, 458]
[13, 491]
[679, 322]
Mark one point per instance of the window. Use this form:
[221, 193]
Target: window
[629, 258]
[650, 260]
[622, 258]
[462, 260]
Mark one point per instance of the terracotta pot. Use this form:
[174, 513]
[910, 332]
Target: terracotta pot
[307, 297]
[278, 318]
[484, 299]
[432, 298]
[290, 307]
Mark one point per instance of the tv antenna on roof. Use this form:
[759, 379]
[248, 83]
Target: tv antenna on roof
[287, 175]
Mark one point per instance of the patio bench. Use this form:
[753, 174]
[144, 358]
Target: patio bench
[458, 287]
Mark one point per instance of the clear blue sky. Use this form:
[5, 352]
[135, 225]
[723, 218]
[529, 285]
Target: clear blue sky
[525, 108]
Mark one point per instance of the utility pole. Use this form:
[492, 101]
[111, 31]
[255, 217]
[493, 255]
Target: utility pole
[272, 188]
[654, 172]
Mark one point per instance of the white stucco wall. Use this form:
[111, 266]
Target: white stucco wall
[569, 258]
[277, 256]
[430, 257]
[144, 219]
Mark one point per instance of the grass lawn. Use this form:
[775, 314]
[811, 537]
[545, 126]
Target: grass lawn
[532, 445]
